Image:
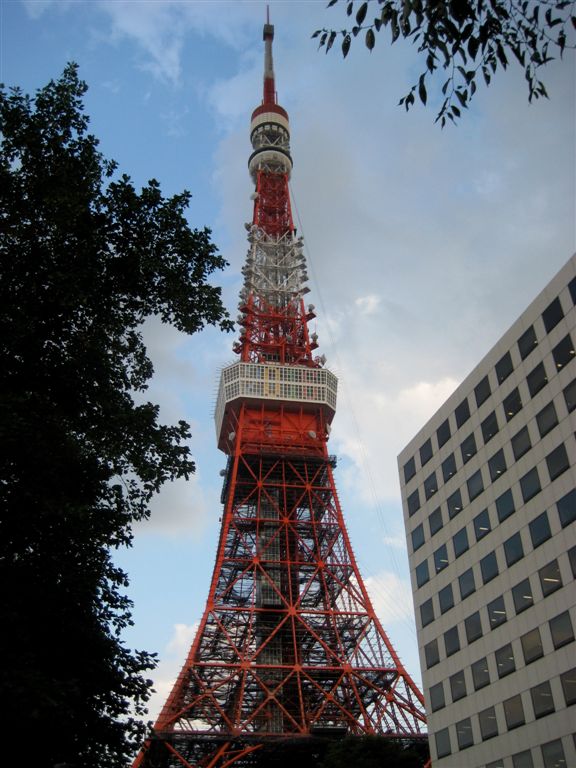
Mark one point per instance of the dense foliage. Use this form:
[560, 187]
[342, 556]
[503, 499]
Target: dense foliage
[469, 39]
[84, 259]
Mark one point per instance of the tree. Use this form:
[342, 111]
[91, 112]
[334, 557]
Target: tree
[470, 39]
[84, 260]
[375, 752]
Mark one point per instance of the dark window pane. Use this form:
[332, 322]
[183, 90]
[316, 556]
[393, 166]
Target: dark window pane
[468, 448]
[473, 627]
[530, 484]
[561, 630]
[454, 504]
[464, 733]
[546, 419]
[532, 646]
[489, 567]
[505, 660]
[550, 578]
[568, 680]
[570, 396]
[443, 433]
[489, 427]
[496, 612]
[418, 537]
[435, 521]
[482, 524]
[527, 342]
[442, 738]
[563, 352]
[430, 486]
[482, 391]
[513, 549]
[537, 379]
[567, 508]
[441, 558]
[521, 443]
[426, 452]
[553, 754]
[572, 560]
[409, 469]
[552, 314]
[460, 542]
[488, 723]
[462, 413]
[512, 404]
[522, 596]
[513, 712]
[504, 367]
[497, 465]
[446, 598]
[542, 700]
[466, 582]
[427, 613]
[422, 573]
[522, 760]
[458, 686]
[572, 289]
[540, 530]
[452, 641]
[475, 485]
[505, 505]
[413, 502]
[480, 674]
[437, 697]
[431, 654]
[557, 461]
[448, 467]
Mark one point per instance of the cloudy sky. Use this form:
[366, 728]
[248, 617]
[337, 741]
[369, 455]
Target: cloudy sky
[423, 245]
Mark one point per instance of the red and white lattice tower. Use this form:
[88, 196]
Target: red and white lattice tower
[289, 645]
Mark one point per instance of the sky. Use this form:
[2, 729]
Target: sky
[423, 245]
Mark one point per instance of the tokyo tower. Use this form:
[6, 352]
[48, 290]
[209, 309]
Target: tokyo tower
[289, 647]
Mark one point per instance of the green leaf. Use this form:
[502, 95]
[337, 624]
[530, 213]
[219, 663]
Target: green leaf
[331, 3]
[395, 27]
[361, 15]
[349, 9]
[370, 39]
[346, 45]
[330, 42]
[422, 90]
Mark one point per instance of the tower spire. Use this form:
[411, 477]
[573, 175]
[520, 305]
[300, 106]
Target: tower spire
[269, 84]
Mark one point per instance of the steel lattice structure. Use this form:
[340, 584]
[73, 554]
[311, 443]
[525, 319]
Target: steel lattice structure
[289, 646]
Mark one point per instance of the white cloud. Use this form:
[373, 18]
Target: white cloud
[368, 305]
[172, 660]
[391, 597]
[182, 508]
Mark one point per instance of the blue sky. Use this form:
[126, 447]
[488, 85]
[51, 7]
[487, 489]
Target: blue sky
[423, 245]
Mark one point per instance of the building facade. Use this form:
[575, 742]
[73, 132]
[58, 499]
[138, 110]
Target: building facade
[489, 498]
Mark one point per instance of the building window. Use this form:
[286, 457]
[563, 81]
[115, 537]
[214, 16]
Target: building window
[550, 578]
[441, 558]
[468, 448]
[553, 754]
[475, 485]
[460, 542]
[513, 549]
[448, 467]
[482, 391]
[473, 627]
[570, 396]
[530, 484]
[462, 413]
[446, 598]
[413, 502]
[496, 612]
[430, 486]
[417, 537]
[532, 646]
[521, 443]
[568, 680]
[522, 596]
[452, 641]
[561, 630]
[489, 427]
[454, 504]
[522, 760]
[512, 404]
[458, 686]
[557, 461]
[426, 452]
[488, 723]
[435, 521]
[527, 342]
[480, 674]
[542, 700]
[572, 289]
[427, 612]
[497, 465]
[563, 352]
[546, 419]
[422, 573]
[464, 733]
[505, 505]
[431, 654]
[482, 525]
[537, 379]
[489, 567]
[443, 747]
[409, 469]
[443, 433]
[466, 582]
[539, 530]
[566, 507]
[437, 697]
[504, 367]
[513, 712]
[552, 314]
[572, 560]
[505, 663]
